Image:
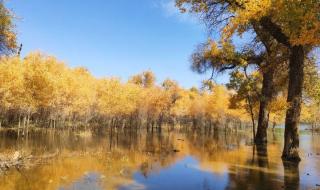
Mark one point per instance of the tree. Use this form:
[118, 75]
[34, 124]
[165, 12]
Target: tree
[8, 39]
[12, 90]
[173, 91]
[311, 106]
[247, 89]
[225, 57]
[145, 79]
[294, 24]
[217, 104]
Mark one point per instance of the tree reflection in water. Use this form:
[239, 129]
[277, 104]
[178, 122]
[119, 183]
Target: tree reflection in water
[291, 175]
[129, 159]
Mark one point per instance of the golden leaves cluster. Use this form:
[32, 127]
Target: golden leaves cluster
[41, 84]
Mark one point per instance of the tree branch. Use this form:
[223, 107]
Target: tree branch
[275, 31]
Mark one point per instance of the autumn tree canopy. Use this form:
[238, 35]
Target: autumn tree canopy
[293, 24]
[8, 39]
[42, 90]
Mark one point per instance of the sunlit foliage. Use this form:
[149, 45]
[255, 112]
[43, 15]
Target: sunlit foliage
[42, 90]
[299, 20]
[8, 39]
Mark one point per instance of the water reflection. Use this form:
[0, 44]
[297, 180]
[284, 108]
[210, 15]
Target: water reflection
[89, 181]
[292, 176]
[178, 176]
[133, 159]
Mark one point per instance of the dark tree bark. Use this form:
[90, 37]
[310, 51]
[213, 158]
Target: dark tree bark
[266, 97]
[296, 77]
[296, 64]
[267, 84]
[250, 106]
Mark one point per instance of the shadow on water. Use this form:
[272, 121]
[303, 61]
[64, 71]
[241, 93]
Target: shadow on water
[137, 159]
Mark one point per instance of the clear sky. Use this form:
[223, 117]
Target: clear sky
[112, 37]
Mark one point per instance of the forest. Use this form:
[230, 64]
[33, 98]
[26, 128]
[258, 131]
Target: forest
[274, 79]
[39, 90]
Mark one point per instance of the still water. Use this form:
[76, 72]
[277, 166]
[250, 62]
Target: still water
[134, 160]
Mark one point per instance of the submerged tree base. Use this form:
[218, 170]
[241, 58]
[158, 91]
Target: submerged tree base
[260, 141]
[291, 156]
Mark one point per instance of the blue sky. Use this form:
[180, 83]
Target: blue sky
[113, 37]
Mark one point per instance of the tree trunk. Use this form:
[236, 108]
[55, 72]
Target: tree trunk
[266, 97]
[274, 125]
[291, 136]
[252, 118]
[250, 106]
[24, 125]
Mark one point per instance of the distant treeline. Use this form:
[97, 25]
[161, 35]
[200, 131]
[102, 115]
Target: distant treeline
[40, 90]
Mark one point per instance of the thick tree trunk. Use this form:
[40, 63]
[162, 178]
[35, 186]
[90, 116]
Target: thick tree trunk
[291, 136]
[266, 97]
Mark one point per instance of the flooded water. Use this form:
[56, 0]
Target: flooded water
[171, 160]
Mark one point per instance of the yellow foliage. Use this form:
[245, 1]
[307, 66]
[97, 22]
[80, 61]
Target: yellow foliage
[298, 20]
[44, 88]
[8, 43]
